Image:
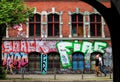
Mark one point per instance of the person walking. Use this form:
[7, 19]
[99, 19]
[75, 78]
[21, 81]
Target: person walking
[101, 66]
[97, 62]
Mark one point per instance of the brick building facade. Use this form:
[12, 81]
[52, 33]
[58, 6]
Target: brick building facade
[62, 34]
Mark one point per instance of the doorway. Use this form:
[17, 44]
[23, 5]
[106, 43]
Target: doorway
[78, 62]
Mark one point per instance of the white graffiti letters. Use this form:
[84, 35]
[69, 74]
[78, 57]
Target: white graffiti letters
[85, 47]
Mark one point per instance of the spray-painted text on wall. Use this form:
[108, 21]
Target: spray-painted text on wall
[67, 48]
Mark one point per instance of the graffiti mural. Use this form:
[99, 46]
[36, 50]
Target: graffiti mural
[108, 57]
[29, 46]
[16, 59]
[16, 52]
[20, 32]
[86, 47]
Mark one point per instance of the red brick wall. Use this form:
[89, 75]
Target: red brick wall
[65, 7]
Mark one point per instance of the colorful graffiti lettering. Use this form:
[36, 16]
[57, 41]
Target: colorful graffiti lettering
[16, 52]
[66, 48]
[44, 63]
[29, 46]
[17, 59]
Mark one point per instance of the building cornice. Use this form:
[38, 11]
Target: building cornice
[16, 39]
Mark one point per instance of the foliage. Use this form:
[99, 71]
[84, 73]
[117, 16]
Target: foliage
[2, 73]
[14, 12]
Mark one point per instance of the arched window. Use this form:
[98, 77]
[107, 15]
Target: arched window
[34, 62]
[77, 25]
[53, 61]
[95, 25]
[53, 25]
[78, 62]
[35, 25]
[92, 60]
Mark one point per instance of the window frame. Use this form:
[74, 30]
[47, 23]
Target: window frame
[34, 22]
[78, 23]
[53, 27]
[97, 32]
[53, 62]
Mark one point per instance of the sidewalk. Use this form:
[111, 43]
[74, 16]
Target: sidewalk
[57, 78]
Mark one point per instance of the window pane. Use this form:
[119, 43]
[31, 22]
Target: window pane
[98, 29]
[80, 29]
[38, 30]
[38, 18]
[74, 18]
[74, 30]
[31, 29]
[98, 18]
[92, 18]
[31, 19]
[50, 31]
[56, 18]
[50, 18]
[80, 18]
[92, 30]
[56, 29]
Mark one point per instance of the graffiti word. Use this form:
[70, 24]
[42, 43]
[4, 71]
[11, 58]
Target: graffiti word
[16, 59]
[43, 63]
[85, 47]
[29, 46]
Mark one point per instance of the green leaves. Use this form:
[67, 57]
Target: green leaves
[14, 12]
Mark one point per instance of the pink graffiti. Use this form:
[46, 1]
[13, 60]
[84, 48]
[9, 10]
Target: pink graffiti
[29, 46]
[17, 26]
[17, 60]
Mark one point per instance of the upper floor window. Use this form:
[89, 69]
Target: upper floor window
[95, 25]
[35, 25]
[53, 25]
[77, 24]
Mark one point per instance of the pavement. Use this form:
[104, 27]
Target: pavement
[57, 78]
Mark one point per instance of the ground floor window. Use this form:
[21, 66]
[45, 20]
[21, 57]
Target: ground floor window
[34, 62]
[78, 62]
[53, 61]
[92, 60]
